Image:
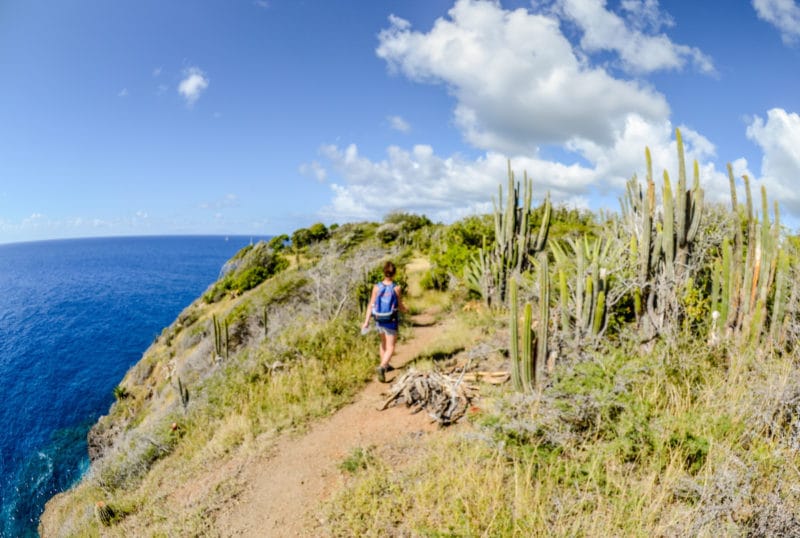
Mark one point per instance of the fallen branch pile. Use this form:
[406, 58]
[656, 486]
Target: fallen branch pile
[445, 397]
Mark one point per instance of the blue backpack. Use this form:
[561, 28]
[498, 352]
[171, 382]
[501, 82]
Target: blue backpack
[385, 307]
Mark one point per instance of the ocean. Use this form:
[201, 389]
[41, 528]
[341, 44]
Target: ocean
[75, 315]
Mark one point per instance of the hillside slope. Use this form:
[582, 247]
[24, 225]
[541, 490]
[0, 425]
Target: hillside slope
[654, 387]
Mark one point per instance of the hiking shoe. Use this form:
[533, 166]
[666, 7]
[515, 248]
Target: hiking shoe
[381, 374]
[389, 368]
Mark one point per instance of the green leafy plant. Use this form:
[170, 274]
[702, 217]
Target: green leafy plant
[358, 460]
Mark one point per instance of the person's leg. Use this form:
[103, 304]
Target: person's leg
[383, 347]
[387, 348]
[381, 370]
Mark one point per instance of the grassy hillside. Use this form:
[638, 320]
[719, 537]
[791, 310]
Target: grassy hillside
[654, 385]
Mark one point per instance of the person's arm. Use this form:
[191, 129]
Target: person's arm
[369, 307]
[400, 306]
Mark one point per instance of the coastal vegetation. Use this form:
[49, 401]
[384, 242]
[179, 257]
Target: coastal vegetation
[654, 386]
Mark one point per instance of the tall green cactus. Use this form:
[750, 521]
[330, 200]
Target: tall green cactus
[529, 369]
[221, 337]
[524, 364]
[516, 374]
[514, 242]
[544, 317]
[688, 208]
[183, 391]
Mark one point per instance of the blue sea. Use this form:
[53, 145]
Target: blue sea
[75, 315]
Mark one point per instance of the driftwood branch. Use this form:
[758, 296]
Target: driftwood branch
[445, 397]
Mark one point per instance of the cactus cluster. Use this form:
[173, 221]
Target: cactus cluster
[514, 242]
[673, 274]
[752, 269]
[661, 242]
[582, 308]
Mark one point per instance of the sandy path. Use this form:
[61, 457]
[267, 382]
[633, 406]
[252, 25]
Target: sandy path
[284, 489]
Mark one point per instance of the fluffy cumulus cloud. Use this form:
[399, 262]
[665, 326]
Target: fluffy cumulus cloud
[522, 91]
[442, 188]
[517, 79]
[779, 139]
[631, 35]
[194, 83]
[783, 14]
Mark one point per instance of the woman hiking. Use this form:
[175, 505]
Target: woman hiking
[384, 305]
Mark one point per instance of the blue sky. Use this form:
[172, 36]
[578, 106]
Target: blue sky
[259, 117]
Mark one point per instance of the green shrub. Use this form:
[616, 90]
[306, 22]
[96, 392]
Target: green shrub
[435, 278]
[247, 271]
[278, 243]
[357, 460]
[409, 222]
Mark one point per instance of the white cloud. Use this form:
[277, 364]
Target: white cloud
[156, 71]
[263, 4]
[399, 124]
[442, 188]
[604, 30]
[123, 92]
[193, 84]
[517, 81]
[783, 14]
[645, 15]
[779, 139]
[523, 90]
[314, 169]
[446, 188]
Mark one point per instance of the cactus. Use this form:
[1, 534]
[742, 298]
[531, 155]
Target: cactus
[688, 209]
[563, 300]
[668, 241]
[184, 394]
[598, 322]
[516, 376]
[544, 319]
[490, 269]
[589, 300]
[779, 300]
[663, 245]
[524, 364]
[104, 513]
[217, 341]
[221, 337]
[752, 271]
[227, 339]
[529, 369]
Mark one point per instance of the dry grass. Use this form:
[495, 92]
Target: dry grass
[676, 442]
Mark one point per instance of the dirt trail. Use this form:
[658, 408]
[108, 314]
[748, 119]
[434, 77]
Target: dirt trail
[284, 489]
